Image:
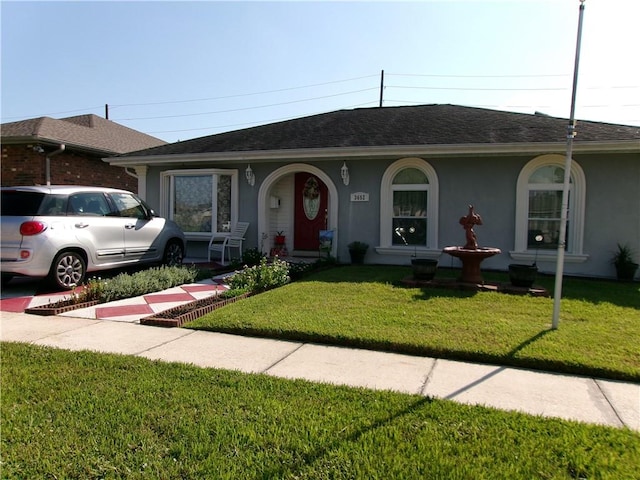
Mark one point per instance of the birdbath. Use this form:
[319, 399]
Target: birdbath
[471, 255]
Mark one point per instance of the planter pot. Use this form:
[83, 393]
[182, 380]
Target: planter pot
[626, 271]
[357, 256]
[59, 307]
[424, 268]
[522, 275]
[279, 239]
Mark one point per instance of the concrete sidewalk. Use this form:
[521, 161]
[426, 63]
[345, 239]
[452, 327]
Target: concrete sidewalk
[589, 400]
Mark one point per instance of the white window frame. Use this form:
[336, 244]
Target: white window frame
[575, 216]
[167, 195]
[386, 209]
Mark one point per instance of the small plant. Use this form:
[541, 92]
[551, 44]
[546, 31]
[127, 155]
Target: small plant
[623, 261]
[358, 246]
[279, 239]
[357, 251]
[232, 292]
[622, 256]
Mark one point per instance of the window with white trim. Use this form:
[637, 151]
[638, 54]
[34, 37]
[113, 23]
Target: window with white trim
[408, 205]
[410, 187]
[539, 205]
[201, 201]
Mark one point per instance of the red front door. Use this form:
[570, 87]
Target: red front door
[310, 214]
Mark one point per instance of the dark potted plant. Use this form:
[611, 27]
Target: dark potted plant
[523, 275]
[358, 250]
[424, 268]
[623, 261]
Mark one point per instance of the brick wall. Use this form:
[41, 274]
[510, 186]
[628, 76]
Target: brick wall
[22, 166]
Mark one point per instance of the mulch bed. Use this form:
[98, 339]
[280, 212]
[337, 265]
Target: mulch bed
[59, 307]
[178, 316]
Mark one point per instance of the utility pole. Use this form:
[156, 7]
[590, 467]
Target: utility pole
[381, 86]
[571, 133]
[106, 111]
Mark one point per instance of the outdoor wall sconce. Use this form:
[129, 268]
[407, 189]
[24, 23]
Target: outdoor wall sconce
[251, 177]
[344, 173]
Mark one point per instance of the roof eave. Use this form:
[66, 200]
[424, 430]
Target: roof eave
[28, 139]
[428, 151]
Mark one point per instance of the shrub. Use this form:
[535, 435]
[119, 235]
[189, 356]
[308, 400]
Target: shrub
[358, 246]
[252, 257]
[127, 285]
[261, 277]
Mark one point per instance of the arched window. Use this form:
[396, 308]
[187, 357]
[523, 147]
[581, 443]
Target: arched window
[539, 207]
[408, 207]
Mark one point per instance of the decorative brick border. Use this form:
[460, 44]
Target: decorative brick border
[57, 308]
[165, 318]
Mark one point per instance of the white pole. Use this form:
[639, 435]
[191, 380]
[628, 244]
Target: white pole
[571, 132]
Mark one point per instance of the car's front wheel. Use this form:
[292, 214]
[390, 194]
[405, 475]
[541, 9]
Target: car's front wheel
[69, 270]
[173, 254]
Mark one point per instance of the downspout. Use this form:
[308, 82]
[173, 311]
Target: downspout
[131, 174]
[47, 165]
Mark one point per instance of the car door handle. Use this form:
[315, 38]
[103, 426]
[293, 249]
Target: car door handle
[129, 226]
[81, 225]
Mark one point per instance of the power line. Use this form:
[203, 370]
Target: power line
[244, 94]
[100, 107]
[477, 76]
[480, 89]
[54, 113]
[250, 108]
[399, 87]
[261, 122]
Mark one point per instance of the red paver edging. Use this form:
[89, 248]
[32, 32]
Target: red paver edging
[166, 319]
[52, 309]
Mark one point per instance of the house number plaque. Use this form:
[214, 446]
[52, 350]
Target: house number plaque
[360, 197]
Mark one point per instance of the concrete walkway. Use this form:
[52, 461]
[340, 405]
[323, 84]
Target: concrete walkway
[589, 400]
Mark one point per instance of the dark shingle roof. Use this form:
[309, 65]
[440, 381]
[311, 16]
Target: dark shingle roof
[89, 132]
[415, 125]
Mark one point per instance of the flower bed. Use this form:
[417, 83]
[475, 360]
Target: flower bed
[59, 307]
[178, 316]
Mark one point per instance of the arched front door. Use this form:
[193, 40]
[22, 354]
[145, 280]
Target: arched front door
[310, 211]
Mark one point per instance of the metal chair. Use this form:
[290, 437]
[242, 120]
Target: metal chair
[220, 243]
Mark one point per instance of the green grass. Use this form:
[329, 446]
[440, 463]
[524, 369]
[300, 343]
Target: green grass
[366, 306]
[82, 415]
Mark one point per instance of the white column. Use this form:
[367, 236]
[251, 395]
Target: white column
[141, 173]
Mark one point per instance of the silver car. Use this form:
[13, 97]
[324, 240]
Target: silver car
[65, 232]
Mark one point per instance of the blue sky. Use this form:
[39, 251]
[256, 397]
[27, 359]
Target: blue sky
[180, 70]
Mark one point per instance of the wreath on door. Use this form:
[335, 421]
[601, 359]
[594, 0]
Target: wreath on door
[311, 198]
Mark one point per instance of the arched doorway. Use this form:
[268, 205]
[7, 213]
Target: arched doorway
[279, 212]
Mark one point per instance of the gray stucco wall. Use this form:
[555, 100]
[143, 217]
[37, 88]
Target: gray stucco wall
[612, 211]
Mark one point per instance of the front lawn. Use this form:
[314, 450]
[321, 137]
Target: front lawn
[366, 306]
[82, 415]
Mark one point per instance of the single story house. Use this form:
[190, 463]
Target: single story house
[69, 151]
[400, 179]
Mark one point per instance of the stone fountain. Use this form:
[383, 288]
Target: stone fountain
[471, 255]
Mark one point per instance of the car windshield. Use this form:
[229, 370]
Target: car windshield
[20, 204]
